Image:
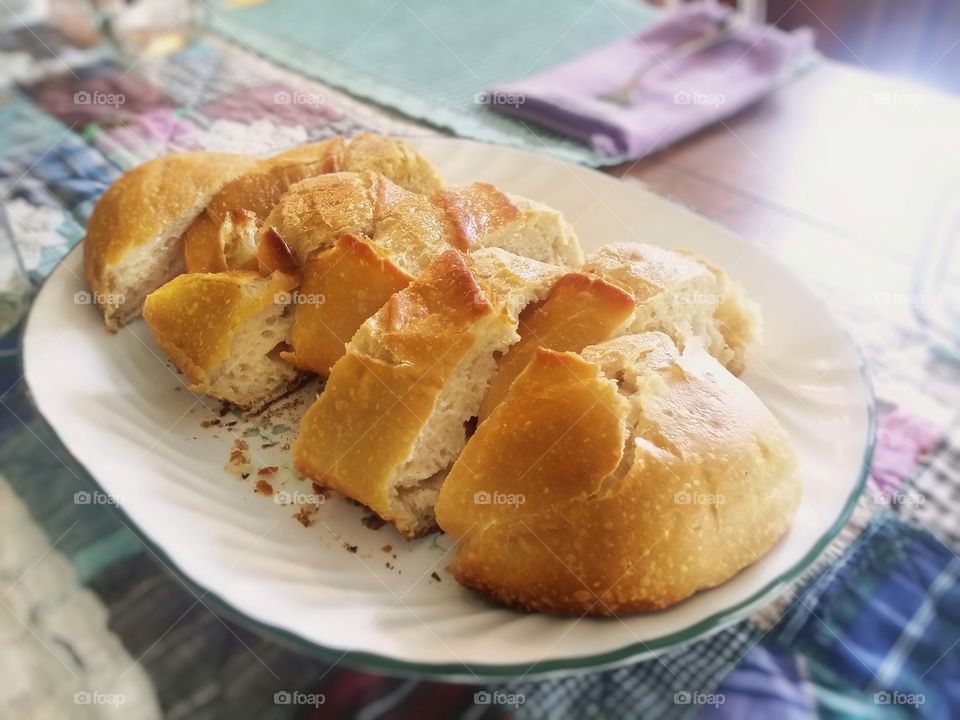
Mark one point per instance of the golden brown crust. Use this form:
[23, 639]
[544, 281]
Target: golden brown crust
[259, 190]
[317, 211]
[580, 310]
[394, 159]
[707, 485]
[275, 255]
[256, 191]
[474, 211]
[365, 423]
[144, 202]
[341, 288]
[194, 317]
[516, 453]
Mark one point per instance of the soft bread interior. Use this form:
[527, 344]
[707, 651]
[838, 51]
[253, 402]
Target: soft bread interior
[254, 375]
[682, 296]
[415, 485]
[225, 331]
[540, 233]
[143, 269]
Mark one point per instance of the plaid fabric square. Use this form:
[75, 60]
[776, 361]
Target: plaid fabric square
[279, 103]
[23, 127]
[147, 136]
[102, 93]
[74, 173]
[203, 73]
[885, 630]
[669, 686]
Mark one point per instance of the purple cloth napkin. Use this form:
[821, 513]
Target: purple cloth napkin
[674, 98]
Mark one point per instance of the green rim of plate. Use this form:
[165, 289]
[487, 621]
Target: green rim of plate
[471, 673]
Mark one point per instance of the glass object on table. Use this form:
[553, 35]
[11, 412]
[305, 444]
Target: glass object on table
[937, 282]
[149, 28]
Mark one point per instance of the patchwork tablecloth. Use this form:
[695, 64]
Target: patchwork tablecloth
[93, 624]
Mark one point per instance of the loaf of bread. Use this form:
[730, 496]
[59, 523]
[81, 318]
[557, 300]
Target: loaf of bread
[575, 425]
[406, 232]
[392, 417]
[224, 332]
[132, 245]
[216, 241]
[624, 478]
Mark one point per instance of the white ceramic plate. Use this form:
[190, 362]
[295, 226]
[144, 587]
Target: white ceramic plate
[112, 400]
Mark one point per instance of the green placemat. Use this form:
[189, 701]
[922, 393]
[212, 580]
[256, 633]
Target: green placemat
[431, 59]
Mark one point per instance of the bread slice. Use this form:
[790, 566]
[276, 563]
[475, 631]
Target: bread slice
[405, 231]
[255, 191]
[393, 415]
[224, 332]
[341, 288]
[133, 240]
[580, 310]
[682, 295]
[623, 479]
[207, 242]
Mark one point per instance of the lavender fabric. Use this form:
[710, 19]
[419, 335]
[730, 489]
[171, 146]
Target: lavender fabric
[674, 98]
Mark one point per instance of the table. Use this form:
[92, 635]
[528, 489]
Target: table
[838, 156]
[796, 173]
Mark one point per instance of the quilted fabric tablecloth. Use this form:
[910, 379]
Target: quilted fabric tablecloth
[94, 624]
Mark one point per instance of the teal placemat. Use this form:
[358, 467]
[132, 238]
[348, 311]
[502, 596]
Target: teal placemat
[432, 59]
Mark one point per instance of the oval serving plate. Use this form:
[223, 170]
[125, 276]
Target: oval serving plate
[338, 585]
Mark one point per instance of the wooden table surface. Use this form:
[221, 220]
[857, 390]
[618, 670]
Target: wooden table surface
[841, 172]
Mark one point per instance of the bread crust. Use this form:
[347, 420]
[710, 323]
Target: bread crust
[141, 208]
[407, 230]
[474, 211]
[195, 317]
[705, 484]
[366, 422]
[341, 288]
[580, 310]
[256, 191]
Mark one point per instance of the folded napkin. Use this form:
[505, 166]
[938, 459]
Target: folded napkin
[674, 98]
